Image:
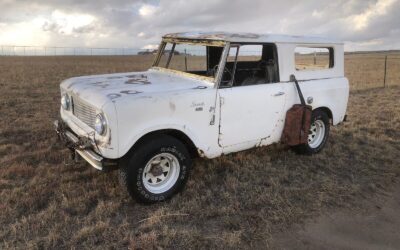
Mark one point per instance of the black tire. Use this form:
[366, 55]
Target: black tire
[316, 117]
[133, 165]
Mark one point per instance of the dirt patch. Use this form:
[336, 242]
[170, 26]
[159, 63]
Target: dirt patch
[375, 226]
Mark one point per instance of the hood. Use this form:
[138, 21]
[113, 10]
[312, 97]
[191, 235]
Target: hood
[98, 89]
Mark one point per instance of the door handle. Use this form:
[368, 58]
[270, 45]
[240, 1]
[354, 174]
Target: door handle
[279, 93]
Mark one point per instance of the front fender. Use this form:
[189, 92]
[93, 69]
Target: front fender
[189, 112]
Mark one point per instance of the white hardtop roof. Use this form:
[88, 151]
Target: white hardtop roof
[251, 37]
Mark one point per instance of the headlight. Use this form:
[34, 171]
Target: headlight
[65, 102]
[100, 124]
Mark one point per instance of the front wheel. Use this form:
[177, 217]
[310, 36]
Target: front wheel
[156, 170]
[318, 134]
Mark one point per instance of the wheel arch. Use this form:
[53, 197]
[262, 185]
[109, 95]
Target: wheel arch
[177, 134]
[327, 111]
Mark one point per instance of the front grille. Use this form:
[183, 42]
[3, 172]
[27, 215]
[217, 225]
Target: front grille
[83, 111]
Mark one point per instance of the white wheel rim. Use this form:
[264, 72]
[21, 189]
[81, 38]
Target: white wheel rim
[316, 134]
[161, 173]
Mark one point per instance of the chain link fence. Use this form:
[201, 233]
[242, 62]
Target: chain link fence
[372, 69]
[363, 69]
[68, 51]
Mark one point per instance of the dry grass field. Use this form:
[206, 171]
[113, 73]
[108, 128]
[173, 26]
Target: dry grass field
[367, 70]
[236, 201]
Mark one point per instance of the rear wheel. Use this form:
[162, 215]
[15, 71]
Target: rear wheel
[156, 170]
[318, 134]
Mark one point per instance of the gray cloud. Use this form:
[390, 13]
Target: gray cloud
[364, 24]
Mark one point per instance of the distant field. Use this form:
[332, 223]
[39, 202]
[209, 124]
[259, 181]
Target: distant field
[367, 70]
[236, 201]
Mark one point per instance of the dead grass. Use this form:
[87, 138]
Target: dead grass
[236, 201]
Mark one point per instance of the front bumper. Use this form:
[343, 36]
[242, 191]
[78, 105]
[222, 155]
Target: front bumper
[83, 146]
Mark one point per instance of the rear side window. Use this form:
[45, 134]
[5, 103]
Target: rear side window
[313, 58]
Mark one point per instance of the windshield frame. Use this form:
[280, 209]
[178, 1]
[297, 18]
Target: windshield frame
[174, 41]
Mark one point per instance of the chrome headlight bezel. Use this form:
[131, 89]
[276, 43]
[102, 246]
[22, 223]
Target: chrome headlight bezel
[100, 124]
[66, 102]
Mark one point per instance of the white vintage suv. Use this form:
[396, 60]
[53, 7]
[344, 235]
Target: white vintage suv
[207, 94]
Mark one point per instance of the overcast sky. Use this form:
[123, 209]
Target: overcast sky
[362, 24]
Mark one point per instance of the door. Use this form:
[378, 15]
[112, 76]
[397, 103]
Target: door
[251, 98]
[249, 113]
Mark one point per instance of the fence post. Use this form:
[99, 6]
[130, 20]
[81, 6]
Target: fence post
[2, 50]
[384, 77]
[185, 61]
[315, 57]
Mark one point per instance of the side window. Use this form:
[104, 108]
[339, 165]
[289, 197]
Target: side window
[313, 58]
[250, 64]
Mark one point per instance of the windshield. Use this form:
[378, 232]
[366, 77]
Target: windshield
[195, 59]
